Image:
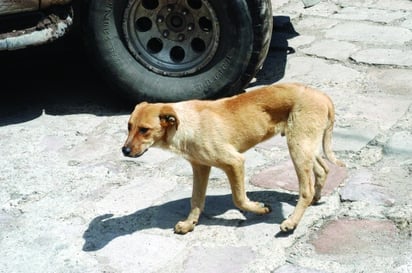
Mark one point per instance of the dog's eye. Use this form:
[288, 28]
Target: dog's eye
[143, 130]
[129, 126]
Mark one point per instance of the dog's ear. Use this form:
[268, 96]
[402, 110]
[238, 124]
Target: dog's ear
[168, 117]
[143, 103]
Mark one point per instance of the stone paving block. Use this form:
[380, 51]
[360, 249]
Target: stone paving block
[380, 114]
[331, 49]
[139, 252]
[352, 138]
[362, 187]
[229, 259]
[369, 33]
[369, 14]
[311, 23]
[407, 24]
[384, 56]
[381, 4]
[313, 70]
[139, 194]
[347, 236]
[301, 40]
[393, 4]
[323, 9]
[284, 177]
[278, 4]
[400, 143]
[289, 268]
[392, 81]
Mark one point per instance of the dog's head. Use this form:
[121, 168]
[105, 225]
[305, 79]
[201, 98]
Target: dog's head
[149, 124]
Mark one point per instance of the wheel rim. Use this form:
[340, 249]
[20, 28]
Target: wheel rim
[171, 38]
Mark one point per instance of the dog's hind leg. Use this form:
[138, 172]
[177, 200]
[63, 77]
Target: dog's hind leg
[200, 180]
[235, 172]
[321, 170]
[302, 152]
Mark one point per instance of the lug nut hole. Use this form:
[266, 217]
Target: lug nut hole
[205, 24]
[143, 24]
[195, 4]
[150, 4]
[177, 54]
[198, 45]
[155, 45]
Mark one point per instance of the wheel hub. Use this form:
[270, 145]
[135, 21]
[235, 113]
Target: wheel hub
[175, 23]
[171, 39]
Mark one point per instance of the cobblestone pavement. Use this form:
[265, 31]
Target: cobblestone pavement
[71, 203]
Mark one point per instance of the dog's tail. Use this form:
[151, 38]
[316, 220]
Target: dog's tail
[327, 136]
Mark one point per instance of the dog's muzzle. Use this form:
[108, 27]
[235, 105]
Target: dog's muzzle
[128, 152]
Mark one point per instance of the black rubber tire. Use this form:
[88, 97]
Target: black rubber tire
[219, 78]
[262, 20]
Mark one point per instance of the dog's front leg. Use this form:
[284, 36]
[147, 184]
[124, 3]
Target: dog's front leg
[235, 173]
[200, 179]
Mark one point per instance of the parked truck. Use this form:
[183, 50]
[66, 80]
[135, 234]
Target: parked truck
[155, 50]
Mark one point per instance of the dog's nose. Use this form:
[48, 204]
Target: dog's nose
[126, 150]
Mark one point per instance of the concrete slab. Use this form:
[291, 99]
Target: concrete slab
[369, 33]
[404, 123]
[384, 56]
[289, 268]
[352, 138]
[139, 252]
[312, 71]
[360, 186]
[392, 81]
[331, 49]
[400, 143]
[323, 9]
[218, 259]
[308, 24]
[381, 4]
[369, 14]
[301, 40]
[277, 4]
[407, 24]
[395, 175]
[139, 194]
[381, 113]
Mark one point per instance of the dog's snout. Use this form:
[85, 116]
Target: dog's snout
[126, 150]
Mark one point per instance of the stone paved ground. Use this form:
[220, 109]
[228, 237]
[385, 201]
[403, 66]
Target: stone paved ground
[71, 203]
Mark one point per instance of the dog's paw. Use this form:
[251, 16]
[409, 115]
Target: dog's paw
[268, 208]
[287, 226]
[183, 227]
[315, 200]
[262, 208]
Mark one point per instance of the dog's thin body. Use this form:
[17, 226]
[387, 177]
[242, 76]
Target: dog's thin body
[216, 133]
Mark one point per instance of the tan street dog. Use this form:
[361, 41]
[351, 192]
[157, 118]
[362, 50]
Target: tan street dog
[216, 133]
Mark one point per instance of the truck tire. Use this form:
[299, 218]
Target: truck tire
[262, 20]
[193, 49]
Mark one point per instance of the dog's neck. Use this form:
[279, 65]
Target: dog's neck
[179, 141]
